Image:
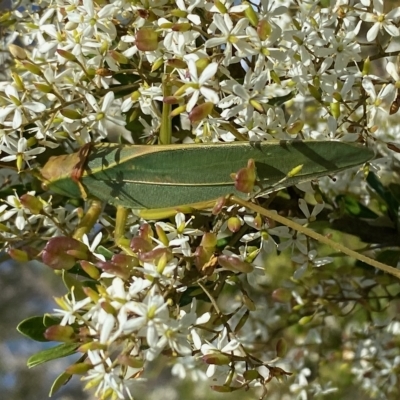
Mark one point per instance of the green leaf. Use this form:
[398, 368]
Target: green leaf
[353, 207]
[61, 380]
[389, 257]
[60, 351]
[34, 327]
[385, 194]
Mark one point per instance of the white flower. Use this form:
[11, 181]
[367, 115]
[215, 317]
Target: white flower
[198, 85]
[106, 113]
[231, 36]
[20, 151]
[381, 20]
[19, 108]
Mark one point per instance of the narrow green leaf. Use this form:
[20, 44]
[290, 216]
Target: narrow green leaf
[60, 381]
[60, 351]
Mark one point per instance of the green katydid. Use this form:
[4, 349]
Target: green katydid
[170, 176]
[156, 181]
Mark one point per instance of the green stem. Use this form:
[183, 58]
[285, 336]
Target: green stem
[166, 120]
[89, 219]
[314, 235]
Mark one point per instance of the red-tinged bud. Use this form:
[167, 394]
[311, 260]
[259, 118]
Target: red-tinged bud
[245, 178]
[209, 240]
[202, 260]
[146, 232]
[146, 39]
[78, 369]
[251, 375]
[295, 127]
[176, 63]
[234, 224]
[107, 266]
[281, 348]
[32, 68]
[234, 264]
[130, 361]
[17, 52]
[263, 29]
[90, 269]
[140, 245]
[182, 27]
[219, 205]
[32, 203]
[66, 54]
[71, 114]
[216, 359]
[18, 255]
[124, 260]
[170, 100]
[59, 333]
[281, 295]
[154, 255]
[43, 88]
[250, 13]
[201, 112]
[61, 252]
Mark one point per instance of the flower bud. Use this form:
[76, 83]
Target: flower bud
[146, 39]
[245, 178]
[60, 333]
[18, 255]
[263, 29]
[78, 369]
[250, 13]
[71, 114]
[201, 112]
[295, 127]
[17, 52]
[216, 359]
[176, 63]
[32, 203]
[34, 69]
[234, 224]
[90, 269]
[43, 87]
[182, 27]
[234, 263]
[281, 295]
[66, 54]
[62, 252]
[281, 348]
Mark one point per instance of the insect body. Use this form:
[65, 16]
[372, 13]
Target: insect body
[153, 177]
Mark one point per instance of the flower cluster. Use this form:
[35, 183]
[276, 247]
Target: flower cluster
[198, 289]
